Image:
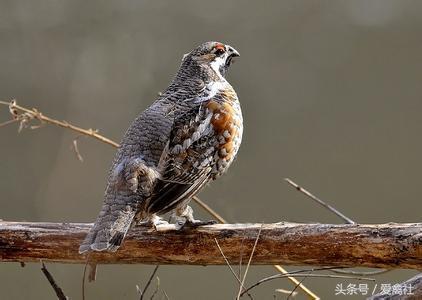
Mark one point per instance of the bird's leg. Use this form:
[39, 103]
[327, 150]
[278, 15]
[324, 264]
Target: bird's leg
[184, 218]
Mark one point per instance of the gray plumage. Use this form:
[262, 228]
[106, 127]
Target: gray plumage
[189, 136]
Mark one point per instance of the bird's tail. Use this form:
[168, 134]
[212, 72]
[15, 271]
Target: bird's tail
[110, 228]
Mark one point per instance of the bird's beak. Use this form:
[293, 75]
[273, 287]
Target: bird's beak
[232, 52]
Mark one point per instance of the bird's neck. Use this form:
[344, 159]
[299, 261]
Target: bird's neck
[197, 71]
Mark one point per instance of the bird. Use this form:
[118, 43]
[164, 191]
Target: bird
[186, 139]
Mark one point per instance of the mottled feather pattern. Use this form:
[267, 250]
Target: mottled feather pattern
[202, 145]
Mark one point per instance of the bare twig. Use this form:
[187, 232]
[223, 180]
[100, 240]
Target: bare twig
[56, 288]
[24, 115]
[342, 216]
[249, 262]
[230, 267]
[297, 274]
[228, 263]
[83, 280]
[142, 292]
[165, 294]
[327, 206]
[294, 290]
[241, 259]
[8, 122]
[361, 273]
[209, 210]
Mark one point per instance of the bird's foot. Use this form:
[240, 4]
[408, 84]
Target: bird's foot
[190, 224]
[159, 224]
[143, 224]
[184, 219]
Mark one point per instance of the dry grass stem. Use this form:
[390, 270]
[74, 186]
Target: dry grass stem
[228, 263]
[8, 122]
[142, 292]
[295, 288]
[287, 292]
[327, 206]
[157, 288]
[249, 262]
[297, 274]
[230, 267]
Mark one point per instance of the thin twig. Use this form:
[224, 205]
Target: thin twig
[8, 122]
[83, 280]
[249, 263]
[165, 294]
[142, 292]
[293, 291]
[230, 267]
[297, 282]
[241, 257]
[345, 219]
[39, 116]
[227, 262]
[296, 273]
[57, 289]
[209, 210]
[361, 273]
[327, 206]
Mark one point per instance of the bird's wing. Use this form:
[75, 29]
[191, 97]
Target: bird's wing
[187, 159]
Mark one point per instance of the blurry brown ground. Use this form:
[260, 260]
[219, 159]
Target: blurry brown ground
[331, 93]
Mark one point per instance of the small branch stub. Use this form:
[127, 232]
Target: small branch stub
[382, 246]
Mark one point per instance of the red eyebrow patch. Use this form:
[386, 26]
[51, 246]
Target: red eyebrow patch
[220, 46]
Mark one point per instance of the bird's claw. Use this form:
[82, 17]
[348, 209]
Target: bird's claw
[158, 224]
[190, 224]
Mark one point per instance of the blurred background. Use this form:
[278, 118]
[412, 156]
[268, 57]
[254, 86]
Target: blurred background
[331, 94]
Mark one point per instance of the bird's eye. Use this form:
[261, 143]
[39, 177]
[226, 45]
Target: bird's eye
[219, 51]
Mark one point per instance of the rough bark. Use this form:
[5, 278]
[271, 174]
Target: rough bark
[383, 246]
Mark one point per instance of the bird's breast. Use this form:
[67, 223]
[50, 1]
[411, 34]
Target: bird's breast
[227, 123]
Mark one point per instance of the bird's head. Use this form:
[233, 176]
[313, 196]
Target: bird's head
[212, 55]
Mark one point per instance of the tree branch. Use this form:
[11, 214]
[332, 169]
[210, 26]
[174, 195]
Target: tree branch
[389, 245]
